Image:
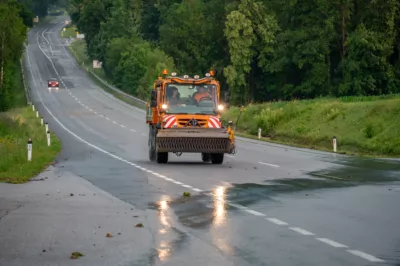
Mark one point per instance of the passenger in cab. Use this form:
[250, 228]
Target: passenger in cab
[173, 96]
[202, 93]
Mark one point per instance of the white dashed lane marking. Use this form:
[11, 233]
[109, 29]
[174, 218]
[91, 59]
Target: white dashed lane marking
[332, 243]
[301, 231]
[365, 256]
[238, 206]
[256, 213]
[277, 221]
[273, 165]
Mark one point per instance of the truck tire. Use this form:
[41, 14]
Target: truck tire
[206, 157]
[217, 158]
[162, 157]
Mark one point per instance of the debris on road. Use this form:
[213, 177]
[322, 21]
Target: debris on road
[186, 194]
[139, 225]
[109, 235]
[76, 255]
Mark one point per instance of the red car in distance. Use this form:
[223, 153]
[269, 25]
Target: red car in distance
[52, 84]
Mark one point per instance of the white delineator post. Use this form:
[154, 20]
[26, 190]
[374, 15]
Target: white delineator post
[334, 142]
[33, 107]
[37, 113]
[48, 138]
[41, 121]
[47, 126]
[259, 133]
[29, 146]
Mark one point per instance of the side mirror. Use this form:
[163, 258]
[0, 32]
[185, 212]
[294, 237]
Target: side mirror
[153, 101]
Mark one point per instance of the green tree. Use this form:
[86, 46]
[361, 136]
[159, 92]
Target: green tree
[12, 37]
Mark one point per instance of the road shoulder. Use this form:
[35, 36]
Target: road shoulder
[58, 213]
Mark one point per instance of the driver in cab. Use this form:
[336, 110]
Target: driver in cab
[201, 93]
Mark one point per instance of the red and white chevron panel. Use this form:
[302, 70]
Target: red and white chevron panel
[213, 122]
[169, 120]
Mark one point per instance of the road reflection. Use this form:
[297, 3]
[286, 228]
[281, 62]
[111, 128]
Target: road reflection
[164, 248]
[219, 206]
[220, 227]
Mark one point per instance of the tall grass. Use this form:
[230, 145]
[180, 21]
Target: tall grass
[16, 127]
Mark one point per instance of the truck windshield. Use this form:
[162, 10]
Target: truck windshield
[191, 99]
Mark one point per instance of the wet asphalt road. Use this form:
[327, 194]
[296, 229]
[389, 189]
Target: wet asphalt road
[266, 205]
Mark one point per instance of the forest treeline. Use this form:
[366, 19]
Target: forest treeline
[261, 50]
[15, 19]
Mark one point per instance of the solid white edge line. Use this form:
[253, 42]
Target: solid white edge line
[332, 243]
[364, 255]
[301, 231]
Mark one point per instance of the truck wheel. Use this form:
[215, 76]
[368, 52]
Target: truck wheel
[206, 157]
[217, 158]
[162, 157]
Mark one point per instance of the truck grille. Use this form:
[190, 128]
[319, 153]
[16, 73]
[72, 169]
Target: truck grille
[183, 121]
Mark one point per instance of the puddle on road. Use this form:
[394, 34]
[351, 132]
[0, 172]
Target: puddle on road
[364, 163]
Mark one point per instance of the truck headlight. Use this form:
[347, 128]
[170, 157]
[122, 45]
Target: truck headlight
[220, 107]
[164, 106]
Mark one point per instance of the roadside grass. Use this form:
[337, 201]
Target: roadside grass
[16, 127]
[363, 126]
[70, 31]
[366, 126]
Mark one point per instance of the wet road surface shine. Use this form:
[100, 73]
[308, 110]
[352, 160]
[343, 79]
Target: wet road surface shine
[248, 221]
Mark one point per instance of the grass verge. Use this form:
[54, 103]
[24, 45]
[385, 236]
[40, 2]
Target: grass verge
[365, 126]
[16, 127]
[70, 31]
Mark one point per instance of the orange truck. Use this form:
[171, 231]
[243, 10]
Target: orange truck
[184, 116]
